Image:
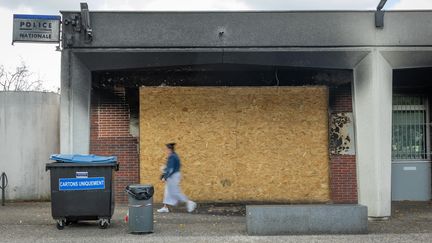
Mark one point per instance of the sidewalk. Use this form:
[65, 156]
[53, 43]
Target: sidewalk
[32, 222]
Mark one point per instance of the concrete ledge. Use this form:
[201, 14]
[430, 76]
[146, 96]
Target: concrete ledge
[306, 219]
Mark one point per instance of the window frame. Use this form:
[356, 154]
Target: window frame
[424, 107]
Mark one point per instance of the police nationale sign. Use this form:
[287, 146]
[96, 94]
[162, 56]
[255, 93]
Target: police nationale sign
[36, 28]
[78, 184]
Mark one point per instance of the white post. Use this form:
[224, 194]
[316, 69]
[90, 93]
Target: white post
[373, 118]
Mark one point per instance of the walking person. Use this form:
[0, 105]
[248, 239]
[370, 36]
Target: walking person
[171, 177]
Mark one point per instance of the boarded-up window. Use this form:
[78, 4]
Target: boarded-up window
[239, 144]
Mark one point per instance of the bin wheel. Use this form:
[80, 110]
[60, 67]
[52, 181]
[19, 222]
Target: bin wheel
[60, 224]
[104, 223]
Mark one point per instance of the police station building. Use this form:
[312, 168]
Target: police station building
[284, 107]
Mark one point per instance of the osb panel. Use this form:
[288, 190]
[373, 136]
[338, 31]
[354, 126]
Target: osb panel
[239, 144]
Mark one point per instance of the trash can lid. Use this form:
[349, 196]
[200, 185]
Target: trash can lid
[83, 158]
[137, 186]
[140, 192]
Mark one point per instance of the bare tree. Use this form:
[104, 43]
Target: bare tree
[19, 79]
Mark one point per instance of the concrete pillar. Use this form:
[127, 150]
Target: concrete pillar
[373, 118]
[75, 105]
[65, 123]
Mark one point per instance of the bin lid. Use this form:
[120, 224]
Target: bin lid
[140, 192]
[83, 158]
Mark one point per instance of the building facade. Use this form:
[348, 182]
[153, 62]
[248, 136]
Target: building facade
[316, 107]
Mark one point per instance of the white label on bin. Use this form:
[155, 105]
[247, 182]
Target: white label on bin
[81, 174]
[409, 168]
[79, 184]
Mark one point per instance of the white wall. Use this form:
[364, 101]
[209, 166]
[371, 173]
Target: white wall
[29, 133]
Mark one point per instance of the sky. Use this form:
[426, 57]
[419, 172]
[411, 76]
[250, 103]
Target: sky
[44, 60]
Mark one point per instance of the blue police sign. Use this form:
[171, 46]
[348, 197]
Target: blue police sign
[36, 28]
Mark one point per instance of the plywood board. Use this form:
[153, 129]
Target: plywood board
[239, 144]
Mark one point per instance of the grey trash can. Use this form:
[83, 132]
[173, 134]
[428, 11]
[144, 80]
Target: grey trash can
[140, 202]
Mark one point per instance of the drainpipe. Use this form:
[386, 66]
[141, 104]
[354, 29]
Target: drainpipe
[379, 14]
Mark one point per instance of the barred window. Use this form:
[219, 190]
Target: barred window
[410, 139]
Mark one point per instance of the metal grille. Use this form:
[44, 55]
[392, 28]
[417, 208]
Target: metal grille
[410, 128]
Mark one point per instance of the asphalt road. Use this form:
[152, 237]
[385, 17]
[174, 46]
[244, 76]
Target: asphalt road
[32, 222]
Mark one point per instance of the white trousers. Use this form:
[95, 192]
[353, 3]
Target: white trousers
[173, 194]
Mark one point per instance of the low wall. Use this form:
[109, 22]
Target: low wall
[29, 133]
[306, 219]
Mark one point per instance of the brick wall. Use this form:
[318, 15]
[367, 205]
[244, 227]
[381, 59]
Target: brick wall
[109, 135]
[340, 99]
[343, 176]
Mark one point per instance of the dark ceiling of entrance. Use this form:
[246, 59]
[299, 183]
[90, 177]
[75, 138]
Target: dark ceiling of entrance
[221, 75]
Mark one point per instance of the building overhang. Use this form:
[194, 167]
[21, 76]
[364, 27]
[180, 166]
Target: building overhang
[285, 29]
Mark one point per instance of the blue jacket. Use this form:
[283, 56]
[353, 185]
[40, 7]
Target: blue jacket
[172, 166]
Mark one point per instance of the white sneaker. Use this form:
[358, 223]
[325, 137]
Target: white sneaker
[191, 206]
[163, 210]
